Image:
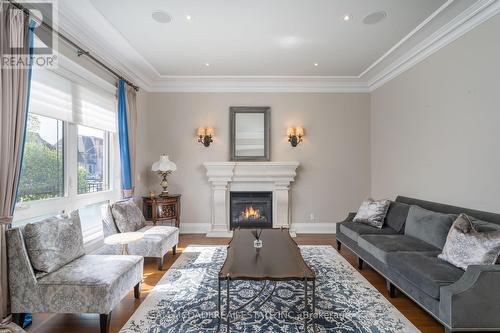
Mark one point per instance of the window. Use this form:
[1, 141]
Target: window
[92, 160]
[42, 173]
[69, 149]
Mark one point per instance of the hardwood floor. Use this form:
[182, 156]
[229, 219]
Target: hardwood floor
[89, 323]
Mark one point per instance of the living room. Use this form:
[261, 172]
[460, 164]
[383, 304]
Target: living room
[253, 166]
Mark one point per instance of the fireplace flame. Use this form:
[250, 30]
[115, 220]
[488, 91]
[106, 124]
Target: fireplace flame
[252, 213]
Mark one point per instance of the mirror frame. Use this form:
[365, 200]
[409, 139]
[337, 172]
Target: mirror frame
[250, 109]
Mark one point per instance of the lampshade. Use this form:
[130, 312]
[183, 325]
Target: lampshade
[210, 131]
[290, 131]
[299, 131]
[201, 131]
[163, 165]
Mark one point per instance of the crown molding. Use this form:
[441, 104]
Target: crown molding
[114, 49]
[284, 84]
[466, 21]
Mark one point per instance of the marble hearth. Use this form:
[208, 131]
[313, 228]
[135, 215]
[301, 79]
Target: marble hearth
[226, 177]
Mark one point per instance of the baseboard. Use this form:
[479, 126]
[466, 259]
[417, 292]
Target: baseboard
[194, 228]
[314, 228]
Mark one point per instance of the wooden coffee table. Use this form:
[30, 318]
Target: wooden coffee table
[279, 259]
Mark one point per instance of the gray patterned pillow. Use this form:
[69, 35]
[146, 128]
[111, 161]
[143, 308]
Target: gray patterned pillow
[466, 246]
[128, 217]
[54, 242]
[372, 212]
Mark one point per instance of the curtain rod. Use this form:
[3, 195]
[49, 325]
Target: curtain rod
[79, 50]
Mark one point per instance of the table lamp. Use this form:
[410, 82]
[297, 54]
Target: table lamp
[164, 167]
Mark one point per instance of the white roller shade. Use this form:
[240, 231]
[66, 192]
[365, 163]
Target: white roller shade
[56, 96]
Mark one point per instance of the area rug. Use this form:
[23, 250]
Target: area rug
[185, 300]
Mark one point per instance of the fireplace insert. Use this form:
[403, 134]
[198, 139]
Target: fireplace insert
[251, 210]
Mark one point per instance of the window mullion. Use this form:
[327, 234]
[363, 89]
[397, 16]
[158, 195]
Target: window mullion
[72, 165]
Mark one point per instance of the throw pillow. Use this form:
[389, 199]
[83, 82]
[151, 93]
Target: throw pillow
[54, 242]
[466, 246]
[396, 215]
[372, 212]
[128, 217]
[428, 226]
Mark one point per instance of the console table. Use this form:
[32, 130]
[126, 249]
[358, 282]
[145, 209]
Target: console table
[162, 208]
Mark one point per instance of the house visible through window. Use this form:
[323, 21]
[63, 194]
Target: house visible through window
[92, 160]
[42, 173]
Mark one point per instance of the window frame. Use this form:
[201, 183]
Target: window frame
[71, 199]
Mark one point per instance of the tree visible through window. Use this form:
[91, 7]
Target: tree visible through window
[42, 172]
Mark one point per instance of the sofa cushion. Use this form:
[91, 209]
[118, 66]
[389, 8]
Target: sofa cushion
[429, 226]
[128, 217]
[396, 215]
[91, 283]
[372, 212]
[465, 246]
[54, 242]
[157, 241]
[424, 270]
[380, 245]
[354, 229]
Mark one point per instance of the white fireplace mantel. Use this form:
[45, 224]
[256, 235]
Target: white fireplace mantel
[249, 176]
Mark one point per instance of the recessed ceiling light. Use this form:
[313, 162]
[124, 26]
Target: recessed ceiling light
[375, 18]
[188, 17]
[347, 17]
[316, 64]
[161, 16]
[207, 64]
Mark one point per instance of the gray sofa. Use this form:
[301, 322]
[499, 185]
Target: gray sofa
[461, 300]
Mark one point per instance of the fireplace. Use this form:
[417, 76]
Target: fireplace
[251, 210]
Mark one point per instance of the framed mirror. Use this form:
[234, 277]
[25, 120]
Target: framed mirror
[249, 133]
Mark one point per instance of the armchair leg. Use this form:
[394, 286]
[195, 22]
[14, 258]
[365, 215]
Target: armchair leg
[391, 289]
[137, 291]
[339, 245]
[18, 319]
[160, 264]
[105, 318]
[174, 250]
[360, 263]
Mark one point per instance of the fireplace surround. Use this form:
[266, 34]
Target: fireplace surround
[227, 177]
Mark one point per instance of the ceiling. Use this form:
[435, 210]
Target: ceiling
[263, 37]
[262, 45]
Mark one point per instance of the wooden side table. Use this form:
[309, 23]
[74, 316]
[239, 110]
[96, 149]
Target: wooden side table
[162, 208]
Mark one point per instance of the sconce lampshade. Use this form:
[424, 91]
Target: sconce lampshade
[290, 131]
[164, 165]
[210, 131]
[201, 131]
[299, 131]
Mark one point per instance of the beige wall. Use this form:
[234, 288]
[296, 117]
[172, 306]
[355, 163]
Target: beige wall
[334, 176]
[435, 128]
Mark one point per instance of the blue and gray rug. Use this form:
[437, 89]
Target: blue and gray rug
[185, 300]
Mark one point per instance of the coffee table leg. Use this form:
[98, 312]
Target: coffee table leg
[125, 249]
[220, 311]
[314, 306]
[228, 305]
[305, 305]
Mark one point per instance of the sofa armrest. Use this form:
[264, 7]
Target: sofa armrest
[349, 217]
[472, 301]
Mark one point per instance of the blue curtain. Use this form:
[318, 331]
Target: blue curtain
[126, 172]
[30, 70]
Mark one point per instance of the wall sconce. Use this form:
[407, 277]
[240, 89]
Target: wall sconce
[295, 135]
[205, 135]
